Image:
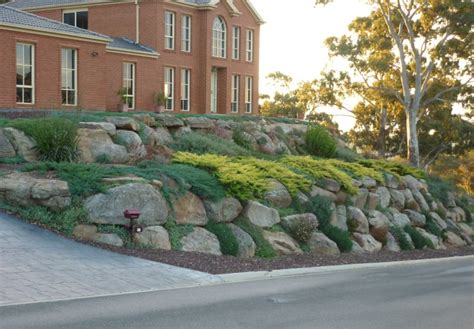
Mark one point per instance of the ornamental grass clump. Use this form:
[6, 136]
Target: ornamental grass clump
[419, 241]
[319, 142]
[227, 240]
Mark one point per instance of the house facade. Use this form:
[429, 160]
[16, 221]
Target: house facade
[203, 55]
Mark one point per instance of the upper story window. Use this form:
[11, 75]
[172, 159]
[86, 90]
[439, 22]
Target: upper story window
[170, 19]
[25, 73]
[186, 33]
[236, 42]
[78, 18]
[219, 35]
[249, 50]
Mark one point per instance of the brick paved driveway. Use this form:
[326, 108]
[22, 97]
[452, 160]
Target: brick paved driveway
[36, 266]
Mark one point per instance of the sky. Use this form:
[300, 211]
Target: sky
[292, 39]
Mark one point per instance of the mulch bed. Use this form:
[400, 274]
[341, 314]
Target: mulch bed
[228, 264]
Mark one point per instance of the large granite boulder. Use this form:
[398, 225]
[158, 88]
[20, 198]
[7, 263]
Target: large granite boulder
[201, 240]
[420, 200]
[24, 146]
[379, 225]
[96, 145]
[391, 243]
[132, 143]
[155, 237]
[6, 148]
[199, 123]
[293, 221]
[367, 242]
[277, 195]
[146, 119]
[397, 199]
[247, 246]
[438, 220]
[357, 221]
[330, 185]
[453, 240]
[399, 219]
[437, 242]
[162, 136]
[360, 199]
[373, 201]
[224, 210]
[321, 244]
[410, 202]
[317, 191]
[124, 123]
[340, 219]
[412, 183]
[169, 120]
[368, 182]
[282, 243]
[108, 207]
[189, 209]
[107, 126]
[416, 219]
[108, 238]
[384, 196]
[261, 215]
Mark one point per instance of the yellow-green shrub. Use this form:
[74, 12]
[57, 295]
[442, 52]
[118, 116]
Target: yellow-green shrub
[394, 168]
[356, 169]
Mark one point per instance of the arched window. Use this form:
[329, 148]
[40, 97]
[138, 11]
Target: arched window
[219, 38]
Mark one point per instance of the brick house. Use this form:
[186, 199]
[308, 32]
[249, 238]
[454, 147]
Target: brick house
[202, 54]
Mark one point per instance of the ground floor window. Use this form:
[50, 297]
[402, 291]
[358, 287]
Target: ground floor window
[185, 89]
[234, 105]
[129, 84]
[25, 73]
[248, 94]
[169, 88]
[69, 76]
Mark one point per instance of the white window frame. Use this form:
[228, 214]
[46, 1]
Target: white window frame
[235, 93]
[185, 90]
[68, 71]
[236, 42]
[219, 38]
[75, 11]
[170, 20]
[132, 78]
[248, 94]
[169, 80]
[23, 86]
[186, 33]
[249, 46]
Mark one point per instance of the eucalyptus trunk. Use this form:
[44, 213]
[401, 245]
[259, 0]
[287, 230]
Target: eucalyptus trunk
[412, 139]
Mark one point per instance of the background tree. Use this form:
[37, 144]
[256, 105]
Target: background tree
[416, 53]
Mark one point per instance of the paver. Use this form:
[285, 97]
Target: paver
[37, 265]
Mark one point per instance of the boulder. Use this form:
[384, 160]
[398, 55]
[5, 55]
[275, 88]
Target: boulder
[146, 119]
[169, 121]
[410, 202]
[224, 210]
[247, 246]
[412, 183]
[368, 182]
[391, 181]
[316, 190]
[357, 221]
[330, 185]
[302, 198]
[24, 146]
[86, 232]
[199, 122]
[321, 244]
[132, 143]
[261, 215]
[416, 219]
[155, 237]
[397, 199]
[282, 243]
[108, 127]
[124, 123]
[391, 243]
[400, 220]
[181, 131]
[277, 195]
[379, 225]
[108, 207]
[264, 143]
[384, 196]
[6, 148]
[437, 243]
[360, 199]
[438, 220]
[292, 221]
[373, 201]
[96, 144]
[201, 240]
[341, 198]
[451, 200]
[356, 249]
[452, 240]
[466, 229]
[367, 242]
[340, 220]
[189, 209]
[420, 200]
[108, 238]
[162, 136]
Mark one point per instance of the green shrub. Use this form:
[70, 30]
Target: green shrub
[177, 232]
[341, 237]
[321, 207]
[121, 231]
[14, 160]
[240, 138]
[402, 240]
[347, 155]
[227, 239]
[264, 248]
[431, 226]
[302, 230]
[56, 138]
[319, 142]
[419, 241]
[200, 143]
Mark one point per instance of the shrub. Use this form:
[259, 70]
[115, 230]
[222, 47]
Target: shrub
[394, 168]
[319, 142]
[177, 232]
[227, 240]
[56, 138]
[200, 143]
[264, 248]
[14, 160]
[440, 188]
[419, 241]
[240, 138]
[121, 231]
[301, 230]
[341, 237]
[347, 154]
[321, 207]
[431, 226]
[402, 240]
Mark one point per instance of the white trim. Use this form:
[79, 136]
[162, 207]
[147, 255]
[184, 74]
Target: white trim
[33, 68]
[214, 89]
[219, 37]
[248, 94]
[75, 11]
[236, 42]
[125, 78]
[131, 52]
[235, 93]
[249, 45]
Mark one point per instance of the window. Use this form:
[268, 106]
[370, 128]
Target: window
[234, 105]
[186, 33]
[169, 88]
[185, 89]
[169, 30]
[69, 76]
[129, 84]
[236, 43]
[77, 18]
[248, 94]
[219, 34]
[25, 73]
[249, 51]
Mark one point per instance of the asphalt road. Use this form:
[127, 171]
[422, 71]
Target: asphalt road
[435, 295]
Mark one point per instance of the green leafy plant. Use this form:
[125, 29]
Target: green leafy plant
[264, 249]
[419, 241]
[227, 240]
[201, 143]
[319, 142]
[160, 99]
[341, 237]
[401, 238]
[321, 207]
[177, 232]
